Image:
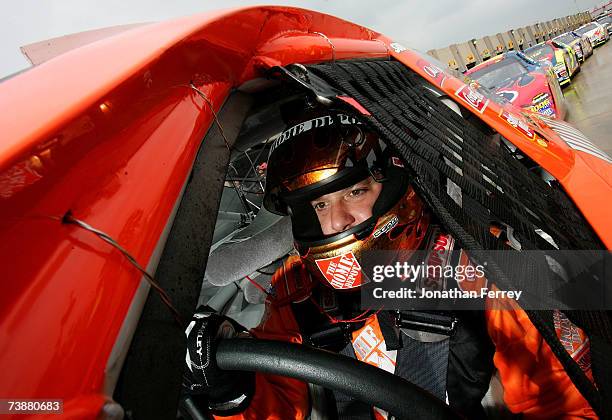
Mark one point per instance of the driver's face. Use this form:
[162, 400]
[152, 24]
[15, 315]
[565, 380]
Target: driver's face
[341, 210]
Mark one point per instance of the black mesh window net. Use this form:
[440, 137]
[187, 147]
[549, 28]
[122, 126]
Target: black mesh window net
[472, 179]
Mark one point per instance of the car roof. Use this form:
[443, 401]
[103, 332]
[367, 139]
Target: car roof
[576, 37]
[541, 44]
[491, 61]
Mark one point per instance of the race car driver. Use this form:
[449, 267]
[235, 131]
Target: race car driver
[347, 193]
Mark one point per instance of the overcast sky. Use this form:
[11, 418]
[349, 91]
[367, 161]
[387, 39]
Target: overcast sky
[418, 24]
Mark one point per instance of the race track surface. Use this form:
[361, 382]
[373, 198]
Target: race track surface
[589, 98]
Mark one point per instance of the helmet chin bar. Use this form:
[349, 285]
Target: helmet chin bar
[361, 231]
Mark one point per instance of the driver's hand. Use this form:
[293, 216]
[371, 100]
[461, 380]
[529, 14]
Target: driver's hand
[224, 392]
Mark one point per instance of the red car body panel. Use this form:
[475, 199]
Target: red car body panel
[110, 131]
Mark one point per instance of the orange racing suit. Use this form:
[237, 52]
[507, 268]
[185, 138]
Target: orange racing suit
[535, 383]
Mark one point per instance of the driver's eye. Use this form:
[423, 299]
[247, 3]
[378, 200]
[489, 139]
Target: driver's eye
[357, 192]
[321, 205]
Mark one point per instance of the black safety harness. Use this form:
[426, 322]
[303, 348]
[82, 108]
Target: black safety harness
[446, 353]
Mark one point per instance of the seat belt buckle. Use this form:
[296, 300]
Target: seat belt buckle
[427, 322]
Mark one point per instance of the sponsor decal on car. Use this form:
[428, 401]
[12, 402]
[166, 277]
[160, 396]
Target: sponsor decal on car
[435, 72]
[543, 105]
[579, 52]
[342, 272]
[397, 47]
[473, 98]
[518, 123]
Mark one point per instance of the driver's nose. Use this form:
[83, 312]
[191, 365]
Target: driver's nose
[340, 218]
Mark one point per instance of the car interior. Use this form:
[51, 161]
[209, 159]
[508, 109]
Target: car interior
[249, 243]
[232, 256]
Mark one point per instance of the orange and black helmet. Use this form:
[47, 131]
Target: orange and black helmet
[327, 153]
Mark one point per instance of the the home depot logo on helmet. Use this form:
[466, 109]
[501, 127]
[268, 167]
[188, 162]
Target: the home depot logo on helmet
[342, 272]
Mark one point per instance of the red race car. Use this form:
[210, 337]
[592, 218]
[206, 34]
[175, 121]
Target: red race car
[116, 156]
[522, 82]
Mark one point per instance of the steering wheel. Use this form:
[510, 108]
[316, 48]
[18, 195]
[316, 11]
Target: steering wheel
[364, 382]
